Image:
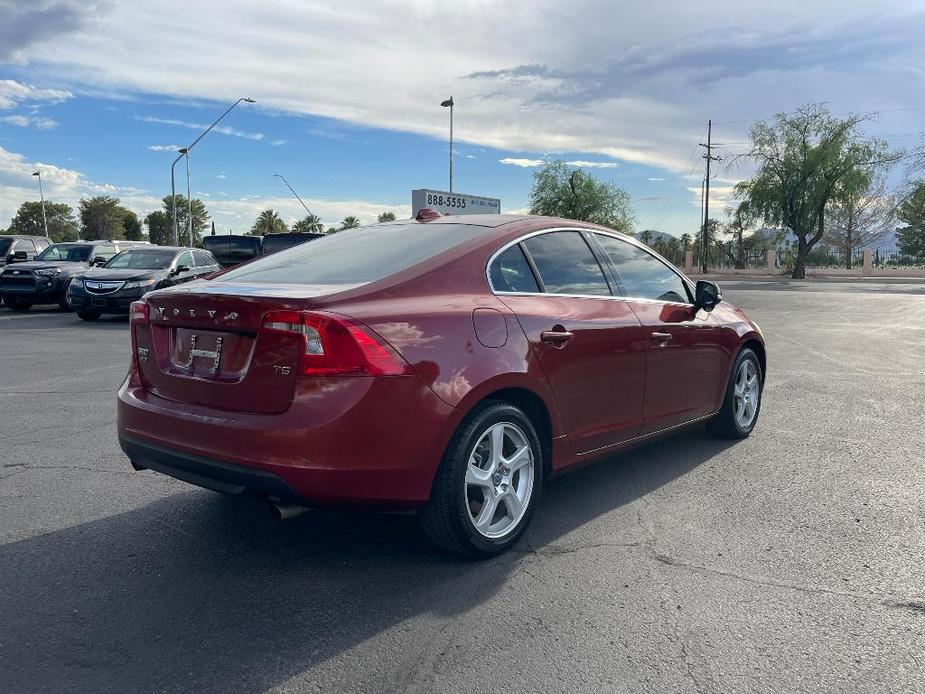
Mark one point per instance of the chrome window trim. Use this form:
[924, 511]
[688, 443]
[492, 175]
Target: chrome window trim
[616, 235]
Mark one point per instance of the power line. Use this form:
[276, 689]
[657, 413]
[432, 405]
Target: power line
[692, 161]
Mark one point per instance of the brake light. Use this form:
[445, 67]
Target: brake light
[138, 313]
[335, 346]
[138, 318]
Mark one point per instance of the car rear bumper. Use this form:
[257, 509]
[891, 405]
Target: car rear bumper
[205, 472]
[353, 442]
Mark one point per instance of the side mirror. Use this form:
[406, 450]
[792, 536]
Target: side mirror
[708, 295]
[19, 256]
[180, 268]
[99, 260]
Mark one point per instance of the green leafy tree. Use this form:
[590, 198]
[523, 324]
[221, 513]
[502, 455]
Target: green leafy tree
[200, 218]
[911, 210]
[269, 222]
[561, 191]
[350, 222]
[62, 225]
[387, 217]
[808, 160]
[159, 231]
[311, 223]
[101, 218]
[131, 225]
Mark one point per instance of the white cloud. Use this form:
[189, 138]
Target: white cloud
[593, 164]
[13, 93]
[223, 129]
[523, 163]
[37, 122]
[163, 148]
[277, 143]
[655, 179]
[531, 163]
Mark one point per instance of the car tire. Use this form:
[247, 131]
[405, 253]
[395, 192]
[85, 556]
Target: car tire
[88, 315]
[742, 402]
[482, 502]
[64, 305]
[17, 304]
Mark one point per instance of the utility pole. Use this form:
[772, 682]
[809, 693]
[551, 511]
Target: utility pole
[708, 155]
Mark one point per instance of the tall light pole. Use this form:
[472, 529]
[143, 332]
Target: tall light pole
[173, 196]
[185, 152]
[450, 103]
[42, 197]
[189, 204]
[293, 192]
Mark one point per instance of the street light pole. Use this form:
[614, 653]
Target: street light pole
[293, 192]
[42, 198]
[185, 152]
[450, 103]
[189, 204]
[173, 196]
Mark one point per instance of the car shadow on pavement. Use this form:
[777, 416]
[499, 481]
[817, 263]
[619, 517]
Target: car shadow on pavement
[198, 592]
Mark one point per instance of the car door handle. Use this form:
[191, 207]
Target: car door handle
[559, 338]
[661, 339]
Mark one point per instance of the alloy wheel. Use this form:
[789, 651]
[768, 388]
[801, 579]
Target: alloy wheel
[746, 392]
[499, 480]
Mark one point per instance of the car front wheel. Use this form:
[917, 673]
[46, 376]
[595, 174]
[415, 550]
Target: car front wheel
[742, 402]
[488, 483]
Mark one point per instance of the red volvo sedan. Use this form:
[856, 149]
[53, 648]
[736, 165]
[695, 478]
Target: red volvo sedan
[449, 365]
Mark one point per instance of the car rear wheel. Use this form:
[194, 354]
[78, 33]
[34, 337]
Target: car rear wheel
[88, 315]
[742, 403]
[16, 303]
[488, 483]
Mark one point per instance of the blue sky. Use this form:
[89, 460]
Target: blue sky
[348, 97]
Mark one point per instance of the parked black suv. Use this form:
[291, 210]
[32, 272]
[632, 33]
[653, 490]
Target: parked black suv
[16, 248]
[125, 278]
[44, 280]
[230, 249]
[279, 242]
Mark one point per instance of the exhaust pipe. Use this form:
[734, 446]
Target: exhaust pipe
[282, 511]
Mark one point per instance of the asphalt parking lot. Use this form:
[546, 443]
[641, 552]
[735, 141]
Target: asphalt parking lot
[793, 561]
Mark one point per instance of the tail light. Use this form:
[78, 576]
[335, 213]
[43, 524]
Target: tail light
[138, 318]
[335, 346]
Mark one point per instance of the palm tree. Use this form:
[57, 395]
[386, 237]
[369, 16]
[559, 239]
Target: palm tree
[645, 236]
[387, 217]
[310, 224]
[269, 222]
[350, 222]
[686, 240]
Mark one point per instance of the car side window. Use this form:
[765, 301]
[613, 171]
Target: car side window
[510, 272]
[23, 245]
[566, 264]
[185, 258]
[203, 259]
[105, 251]
[643, 275]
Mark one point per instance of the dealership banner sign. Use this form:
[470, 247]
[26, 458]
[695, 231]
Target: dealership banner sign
[452, 203]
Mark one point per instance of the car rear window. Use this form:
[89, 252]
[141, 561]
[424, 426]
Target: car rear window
[357, 255]
[234, 249]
